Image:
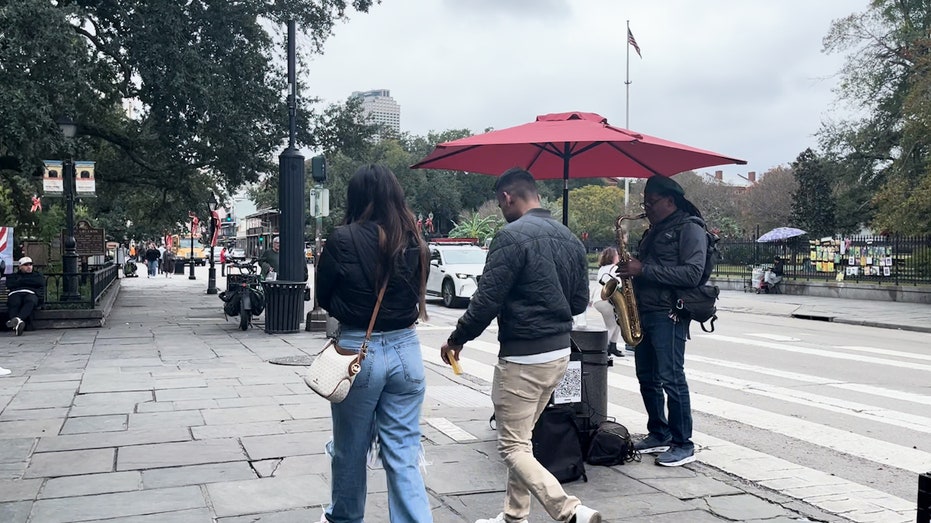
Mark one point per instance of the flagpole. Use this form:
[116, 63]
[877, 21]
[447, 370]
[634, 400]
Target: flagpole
[627, 116]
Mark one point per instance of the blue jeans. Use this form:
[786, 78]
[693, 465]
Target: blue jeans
[660, 363]
[153, 267]
[385, 400]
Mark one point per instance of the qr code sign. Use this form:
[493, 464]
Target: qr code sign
[569, 389]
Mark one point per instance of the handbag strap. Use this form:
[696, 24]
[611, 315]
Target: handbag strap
[368, 332]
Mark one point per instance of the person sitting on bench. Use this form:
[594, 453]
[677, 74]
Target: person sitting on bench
[26, 292]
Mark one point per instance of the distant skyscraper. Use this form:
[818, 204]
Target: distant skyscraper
[380, 108]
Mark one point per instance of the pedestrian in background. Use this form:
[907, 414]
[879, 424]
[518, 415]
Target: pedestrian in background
[152, 257]
[534, 281]
[671, 257]
[377, 247]
[607, 264]
[26, 291]
[223, 261]
[168, 262]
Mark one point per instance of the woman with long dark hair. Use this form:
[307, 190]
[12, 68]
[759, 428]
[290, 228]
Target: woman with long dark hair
[377, 246]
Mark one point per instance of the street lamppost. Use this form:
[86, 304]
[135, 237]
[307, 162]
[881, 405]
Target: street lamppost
[70, 257]
[212, 272]
[193, 226]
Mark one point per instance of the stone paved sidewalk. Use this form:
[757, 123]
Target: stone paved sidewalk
[171, 414]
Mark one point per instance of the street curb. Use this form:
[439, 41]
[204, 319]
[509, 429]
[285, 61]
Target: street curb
[864, 323]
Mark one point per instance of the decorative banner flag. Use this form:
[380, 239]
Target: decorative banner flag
[6, 248]
[52, 184]
[216, 228]
[84, 179]
[194, 220]
[633, 41]
[36, 204]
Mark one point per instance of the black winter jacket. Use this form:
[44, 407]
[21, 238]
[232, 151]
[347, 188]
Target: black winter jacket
[33, 281]
[535, 279]
[673, 256]
[346, 285]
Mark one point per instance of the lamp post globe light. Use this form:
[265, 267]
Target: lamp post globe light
[70, 257]
[212, 272]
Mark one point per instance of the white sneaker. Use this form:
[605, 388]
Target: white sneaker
[584, 514]
[4, 372]
[498, 519]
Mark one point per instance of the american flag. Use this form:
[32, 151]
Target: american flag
[633, 41]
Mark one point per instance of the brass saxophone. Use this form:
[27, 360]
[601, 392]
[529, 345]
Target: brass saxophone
[621, 293]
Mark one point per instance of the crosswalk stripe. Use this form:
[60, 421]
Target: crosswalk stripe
[885, 352]
[856, 502]
[808, 378]
[817, 352]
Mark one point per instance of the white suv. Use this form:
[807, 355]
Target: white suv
[454, 271]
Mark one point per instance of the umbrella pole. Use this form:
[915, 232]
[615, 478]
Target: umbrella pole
[565, 186]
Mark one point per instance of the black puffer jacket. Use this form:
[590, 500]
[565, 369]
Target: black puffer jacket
[33, 281]
[535, 279]
[346, 285]
[673, 256]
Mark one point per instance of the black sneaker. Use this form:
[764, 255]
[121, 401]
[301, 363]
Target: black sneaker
[652, 445]
[676, 457]
[20, 326]
[613, 350]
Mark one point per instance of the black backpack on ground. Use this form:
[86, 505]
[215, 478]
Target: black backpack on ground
[611, 445]
[556, 444]
[699, 302]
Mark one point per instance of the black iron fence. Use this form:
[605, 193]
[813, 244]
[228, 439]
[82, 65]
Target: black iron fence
[892, 260]
[91, 286]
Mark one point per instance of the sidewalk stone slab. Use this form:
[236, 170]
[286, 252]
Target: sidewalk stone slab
[70, 463]
[15, 512]
[302, 465]
[226, 403]
[245, 415]
[197, 474]
[60, 377]
[237, 430]
[477, 475]
[646, 469]
[108, 403]
[287, 516]
[281, 445]
[742, 507]
[179, 383]
[266, 468]
[33, 414]
[113, 439]
[52, 385]
[252, 391]
[91, 484]
[688, 488]
[15, 450]
[123, 382]
[18, 490]
[639, 506]
[236, 498]
[197, 515]
[83, 425]
[29, 428]
[152, 420]
[179, 454]
[122, 504]
[199, 393]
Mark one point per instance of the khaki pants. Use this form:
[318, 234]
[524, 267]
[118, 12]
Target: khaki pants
[520, 393]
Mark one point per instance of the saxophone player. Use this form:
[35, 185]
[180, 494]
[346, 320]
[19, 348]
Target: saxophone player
[671, 256]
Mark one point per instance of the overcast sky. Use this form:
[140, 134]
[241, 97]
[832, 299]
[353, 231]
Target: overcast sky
[744, 78]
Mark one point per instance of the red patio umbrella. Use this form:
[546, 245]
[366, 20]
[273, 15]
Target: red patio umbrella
[570, 145]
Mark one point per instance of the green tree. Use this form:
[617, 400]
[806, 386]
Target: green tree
[881, 158]
[174, 100]
[813, 201]
[593, 210]
[768, 202]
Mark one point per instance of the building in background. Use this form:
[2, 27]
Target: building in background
[380, 108]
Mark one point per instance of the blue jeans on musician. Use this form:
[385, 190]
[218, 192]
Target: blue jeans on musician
[660, 363]
[385, 400]
[153, 267]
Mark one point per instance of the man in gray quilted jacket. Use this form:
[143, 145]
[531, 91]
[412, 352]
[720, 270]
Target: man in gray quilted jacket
[534, 281]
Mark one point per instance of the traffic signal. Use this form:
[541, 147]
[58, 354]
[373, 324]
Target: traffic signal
[318, 168]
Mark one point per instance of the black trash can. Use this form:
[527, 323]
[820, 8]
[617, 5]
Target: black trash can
[284, 306]
[179, 266]
[593, 344]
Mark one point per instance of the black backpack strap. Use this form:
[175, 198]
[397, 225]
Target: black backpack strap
[710, 322]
